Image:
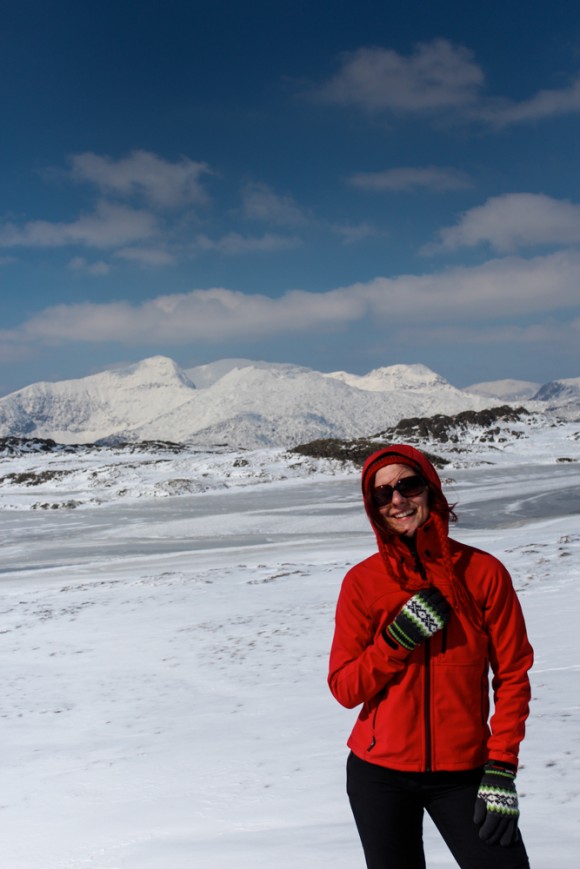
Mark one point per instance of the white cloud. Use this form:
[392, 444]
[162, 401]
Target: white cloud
[109, 226]
[499, 289]
[158, 181]
[146, 256]
[260, 202]
[355, 232]
[437, 178]
[80, 264]
[437, 75]
[512, 221]
[125, 229]
[216, 314]
[233, 243]
[545, 104]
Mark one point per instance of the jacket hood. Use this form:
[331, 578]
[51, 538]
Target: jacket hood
[435, 528]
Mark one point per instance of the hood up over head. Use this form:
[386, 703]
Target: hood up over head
[401, 454]
[441, 512]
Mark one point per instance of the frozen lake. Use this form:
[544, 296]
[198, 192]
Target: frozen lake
[278, 515]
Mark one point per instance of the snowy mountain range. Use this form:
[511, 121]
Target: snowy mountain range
[248, 404]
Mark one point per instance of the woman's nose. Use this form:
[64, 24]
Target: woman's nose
[397, 497]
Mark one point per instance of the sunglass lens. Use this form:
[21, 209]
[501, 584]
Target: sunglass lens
[408, 487]
[382, 496]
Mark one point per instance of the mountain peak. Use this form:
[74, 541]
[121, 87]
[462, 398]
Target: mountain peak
[400, 376]
[154, 369]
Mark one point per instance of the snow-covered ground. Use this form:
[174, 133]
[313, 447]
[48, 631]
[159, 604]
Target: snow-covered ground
[165, 643]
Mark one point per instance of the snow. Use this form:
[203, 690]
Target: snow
[208, 374]
[507, 390]
[563, 395]
[165, 651]
[393, 377]
[244, 404]
[93, 407]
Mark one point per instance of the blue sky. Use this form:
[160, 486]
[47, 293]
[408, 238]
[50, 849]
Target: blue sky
[335, 184]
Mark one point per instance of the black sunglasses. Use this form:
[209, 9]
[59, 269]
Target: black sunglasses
[408, 487]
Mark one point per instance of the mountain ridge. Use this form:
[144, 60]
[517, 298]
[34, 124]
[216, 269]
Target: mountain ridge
[241, 403]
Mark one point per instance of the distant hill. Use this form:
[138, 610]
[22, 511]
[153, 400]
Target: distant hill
[235, 402]
[560, 392]
[507, 390]
[559, 397]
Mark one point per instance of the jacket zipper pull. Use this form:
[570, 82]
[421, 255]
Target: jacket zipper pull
[372, 745]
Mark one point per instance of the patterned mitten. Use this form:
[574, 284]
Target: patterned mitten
[496, 807]
[422, 616]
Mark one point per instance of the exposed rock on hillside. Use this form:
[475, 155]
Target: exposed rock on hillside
[451, 429]
[356, 451]
[484, 426]
[17, 446]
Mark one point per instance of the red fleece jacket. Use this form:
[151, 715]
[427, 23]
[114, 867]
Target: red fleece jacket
[429, 709]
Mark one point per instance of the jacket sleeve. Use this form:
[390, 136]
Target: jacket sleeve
[511, 656]
[361, 661]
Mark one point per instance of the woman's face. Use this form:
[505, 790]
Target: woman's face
[402, 515]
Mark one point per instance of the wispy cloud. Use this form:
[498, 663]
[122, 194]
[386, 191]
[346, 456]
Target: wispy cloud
[146, 256]
[234, 243]
[437, 75]
[143, 174]
[260, 202]
[409, 178]
[96, 269]
[351, 233]
[154, 235]
[545, 104]
[109, 226]
[514, 220]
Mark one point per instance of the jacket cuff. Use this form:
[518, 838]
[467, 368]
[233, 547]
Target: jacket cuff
[502, 764]
[393, 649]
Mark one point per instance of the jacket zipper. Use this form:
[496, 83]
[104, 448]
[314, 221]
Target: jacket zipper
[427, 706]
[427, 662]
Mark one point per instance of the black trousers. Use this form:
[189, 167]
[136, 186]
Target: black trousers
[388, 809]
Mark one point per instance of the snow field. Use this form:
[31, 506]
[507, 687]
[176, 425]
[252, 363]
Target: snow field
[165, 702]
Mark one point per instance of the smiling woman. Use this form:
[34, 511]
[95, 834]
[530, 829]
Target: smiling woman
[418, 627]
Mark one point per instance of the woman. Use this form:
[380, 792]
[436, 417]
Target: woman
[418, 626]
